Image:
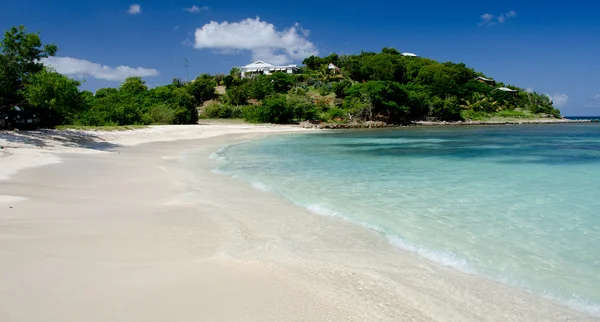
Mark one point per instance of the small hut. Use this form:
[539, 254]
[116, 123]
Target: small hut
[508, 90]
[484, 80]
[333, 68]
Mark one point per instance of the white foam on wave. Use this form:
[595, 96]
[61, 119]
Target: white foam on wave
[260, 186]
[440, 257]
[218, 156]
[320, 210]
[401, 141]
[219, 171]
[583, 306]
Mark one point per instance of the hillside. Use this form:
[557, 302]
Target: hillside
[387, 87]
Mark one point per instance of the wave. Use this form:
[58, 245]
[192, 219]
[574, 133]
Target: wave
[400, 141]
[260, 186]
[440, 257]
[455, 262]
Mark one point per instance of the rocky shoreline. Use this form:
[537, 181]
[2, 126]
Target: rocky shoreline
[379, 124]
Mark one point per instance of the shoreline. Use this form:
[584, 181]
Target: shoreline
[379, 124]
[455, 264]
[174, 233]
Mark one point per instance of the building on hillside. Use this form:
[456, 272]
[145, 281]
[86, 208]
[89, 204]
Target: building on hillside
[486, 81]
[410, 55]
[508, 90]
[333, 68]
[260, 67]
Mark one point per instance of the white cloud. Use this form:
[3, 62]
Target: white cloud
[195, 9]
[559, 99]
[260, 37]
[134, 9]
[489, 19]
[80, 68]
[529, 90]
[594, 101]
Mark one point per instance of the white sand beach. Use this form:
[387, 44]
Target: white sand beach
[112, 226]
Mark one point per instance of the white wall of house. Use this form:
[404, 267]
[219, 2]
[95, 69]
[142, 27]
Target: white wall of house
[261, 67]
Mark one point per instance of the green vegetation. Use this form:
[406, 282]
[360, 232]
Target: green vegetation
[100, 128]
[384, 86]
[26, 82]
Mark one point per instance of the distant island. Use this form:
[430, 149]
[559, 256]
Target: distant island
[389, 87]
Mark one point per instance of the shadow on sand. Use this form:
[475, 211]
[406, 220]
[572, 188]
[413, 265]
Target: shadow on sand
[44, 138]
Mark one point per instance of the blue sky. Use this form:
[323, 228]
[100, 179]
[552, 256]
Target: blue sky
[549, 46]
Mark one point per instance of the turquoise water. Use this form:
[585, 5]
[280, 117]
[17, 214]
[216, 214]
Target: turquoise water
[519, 204]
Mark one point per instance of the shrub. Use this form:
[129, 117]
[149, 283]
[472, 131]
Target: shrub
[261, 87]
[202, 88]
[339, 88]
[228, 81]
[335, 114]
[274, 109]
[301, 107]
[161, 114]
[219, 111]
[237, 95]
[325, 90]
[282, 82]
[297, 90]
[474, 115]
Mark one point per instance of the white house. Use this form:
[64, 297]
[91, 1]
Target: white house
[260, 67]
[410, 55]
[506, 89]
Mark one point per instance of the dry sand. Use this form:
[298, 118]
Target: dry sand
[106, 228]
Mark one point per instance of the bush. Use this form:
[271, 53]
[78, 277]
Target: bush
[513, 113]
[335, 114]
[237, 95]
[325, 90]
[282, 82]
[297, 90]
[274, 109]
[301, 107]
[261, 87]
[222, 111]
[160, 114]
[228, 81]
[339, 88]
[202, 89]
[474, 115]
[445, 109]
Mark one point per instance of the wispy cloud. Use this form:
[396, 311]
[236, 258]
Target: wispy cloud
[488, 19]
[594, 101]
[559, 99]
[195, 9]
[81, 68]
[261, 38]
[134, 9]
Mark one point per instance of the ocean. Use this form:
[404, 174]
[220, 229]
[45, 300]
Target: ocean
[519, 204]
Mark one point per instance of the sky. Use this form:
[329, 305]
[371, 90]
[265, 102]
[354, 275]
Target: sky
[550, 47]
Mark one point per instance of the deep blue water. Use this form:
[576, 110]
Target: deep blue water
[519, 204]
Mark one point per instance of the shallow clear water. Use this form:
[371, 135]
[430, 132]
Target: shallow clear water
[520, 204]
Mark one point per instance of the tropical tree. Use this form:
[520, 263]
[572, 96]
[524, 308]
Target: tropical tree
[55, 96]
[21, 56]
